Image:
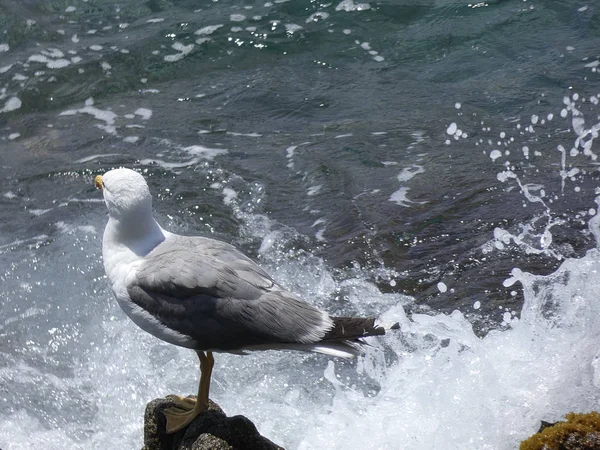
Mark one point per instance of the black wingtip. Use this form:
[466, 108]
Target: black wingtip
[353, 328]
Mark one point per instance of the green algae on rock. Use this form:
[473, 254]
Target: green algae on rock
[579, 432]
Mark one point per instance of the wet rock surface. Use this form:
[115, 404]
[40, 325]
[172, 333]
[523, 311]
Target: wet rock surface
[212, 430]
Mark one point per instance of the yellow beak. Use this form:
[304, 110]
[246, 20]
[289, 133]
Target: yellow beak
[98, 182]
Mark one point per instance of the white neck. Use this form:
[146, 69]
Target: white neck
[129, 239]
[139, 234]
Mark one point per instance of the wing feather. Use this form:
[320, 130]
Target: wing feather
[210, 291]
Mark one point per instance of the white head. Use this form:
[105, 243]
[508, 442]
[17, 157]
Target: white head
[126, 194]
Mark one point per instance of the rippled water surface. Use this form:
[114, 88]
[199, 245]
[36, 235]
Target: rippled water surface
[428, 162]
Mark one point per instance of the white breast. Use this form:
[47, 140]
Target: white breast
[121, 264]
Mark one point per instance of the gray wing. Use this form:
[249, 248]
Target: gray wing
[211, 292]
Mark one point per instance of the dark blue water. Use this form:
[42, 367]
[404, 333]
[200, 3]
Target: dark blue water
[369, 154]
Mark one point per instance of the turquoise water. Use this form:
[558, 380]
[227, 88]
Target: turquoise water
[375, 157]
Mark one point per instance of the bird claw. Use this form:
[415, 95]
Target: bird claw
[182, 403]
[180, 416]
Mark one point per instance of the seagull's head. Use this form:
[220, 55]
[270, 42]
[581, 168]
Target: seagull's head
[126, 193]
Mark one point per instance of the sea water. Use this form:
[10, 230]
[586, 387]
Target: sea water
[432, 384]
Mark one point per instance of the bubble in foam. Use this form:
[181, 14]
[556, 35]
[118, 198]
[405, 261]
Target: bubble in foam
[442, 287]
[452, 128]
[495, 154]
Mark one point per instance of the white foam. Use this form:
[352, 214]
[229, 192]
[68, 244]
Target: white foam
[37, 58]
[11, 104]
[237, 17]
[318, 16]
[58, 63]
[39, 212]
[145, 113]
[400, 197]
[229, 195]
[410, 172]
[106, 116]
[205, 152]
[210, 29]
[291, 28]
[233, 133]
[314, 190]
[182, 49]
[94, 157]
[320, 235]
[349, 5]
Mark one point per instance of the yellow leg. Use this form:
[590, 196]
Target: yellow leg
[180, 416]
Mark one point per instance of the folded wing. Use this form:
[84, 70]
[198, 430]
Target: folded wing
[209, 291]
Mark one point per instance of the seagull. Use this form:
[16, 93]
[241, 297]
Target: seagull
[206, 295]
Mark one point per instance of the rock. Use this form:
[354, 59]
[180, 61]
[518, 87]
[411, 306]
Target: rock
[579, 432]
[212, 430]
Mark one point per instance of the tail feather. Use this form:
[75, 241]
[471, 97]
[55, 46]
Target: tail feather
[343, 340]
[345, 337]
[353, 328]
